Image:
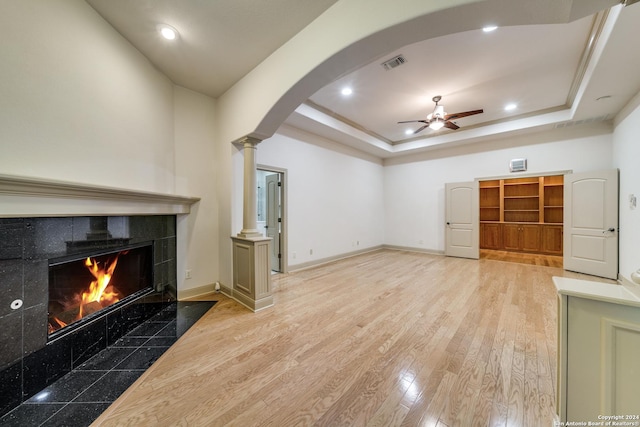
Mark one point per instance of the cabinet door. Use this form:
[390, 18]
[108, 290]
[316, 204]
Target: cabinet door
[511, 237]
[603, 340]
[552, 239]
[521, 237]
[490, 236]
[530, 234]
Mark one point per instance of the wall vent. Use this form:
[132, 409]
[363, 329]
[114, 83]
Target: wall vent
[394, 62]
[518, 165]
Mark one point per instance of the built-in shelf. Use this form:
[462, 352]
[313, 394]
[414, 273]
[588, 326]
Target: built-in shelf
[522, 214]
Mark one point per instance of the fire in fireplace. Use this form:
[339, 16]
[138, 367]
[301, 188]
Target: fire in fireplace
[82, 287]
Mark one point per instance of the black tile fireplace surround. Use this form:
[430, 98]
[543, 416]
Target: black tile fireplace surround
[30, 360]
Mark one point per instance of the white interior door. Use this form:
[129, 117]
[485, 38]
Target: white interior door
[461, 216]
[591, 223]
[273, 218]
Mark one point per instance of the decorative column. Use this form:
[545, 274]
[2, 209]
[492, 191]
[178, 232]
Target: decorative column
[251, 252]
[249, 211]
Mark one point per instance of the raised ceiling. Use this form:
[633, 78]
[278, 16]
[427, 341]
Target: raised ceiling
[582, 71]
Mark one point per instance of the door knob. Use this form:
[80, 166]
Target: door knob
[609, 230]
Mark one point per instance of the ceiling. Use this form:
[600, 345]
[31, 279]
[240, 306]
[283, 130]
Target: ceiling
[557, 74]
[219, 40]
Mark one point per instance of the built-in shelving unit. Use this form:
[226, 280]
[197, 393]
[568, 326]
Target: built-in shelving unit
[490, 201]
[553, 199]
[521, 200]
[522, 214]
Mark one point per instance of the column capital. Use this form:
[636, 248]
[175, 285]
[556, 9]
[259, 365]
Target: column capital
[249, 141]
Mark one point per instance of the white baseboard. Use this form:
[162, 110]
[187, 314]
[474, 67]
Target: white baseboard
[323, 261]
[412, 249]
[196, 292]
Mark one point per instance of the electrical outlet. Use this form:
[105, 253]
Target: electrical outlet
[187, 274]
[310, 251]
[293, 255]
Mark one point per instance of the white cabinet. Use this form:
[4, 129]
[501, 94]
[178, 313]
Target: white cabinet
[598, 351]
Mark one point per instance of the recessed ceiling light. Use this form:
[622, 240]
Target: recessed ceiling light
[510, 107]
[347, 91]
[168, 32]
[490, 28]
[408, 132]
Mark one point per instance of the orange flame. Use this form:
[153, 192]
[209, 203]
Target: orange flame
[98, 292]
[97, 289]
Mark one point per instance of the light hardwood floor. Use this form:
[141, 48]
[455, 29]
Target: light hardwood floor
[388, 338]
[522, 257]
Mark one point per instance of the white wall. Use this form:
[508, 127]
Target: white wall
[195, 160]
[334, 195]
[78, 102]
[626, 157]
[337, 195]
[414, 186]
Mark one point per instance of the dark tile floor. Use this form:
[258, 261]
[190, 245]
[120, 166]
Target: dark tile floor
[79, 397]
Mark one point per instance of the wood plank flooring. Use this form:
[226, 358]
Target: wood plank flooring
[388, 338]
[522, 257]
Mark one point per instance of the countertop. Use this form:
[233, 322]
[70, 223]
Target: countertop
[613, 293]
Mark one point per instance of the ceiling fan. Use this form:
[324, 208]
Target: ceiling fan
[439, 118]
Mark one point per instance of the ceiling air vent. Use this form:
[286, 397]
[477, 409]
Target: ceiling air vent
[394, 62]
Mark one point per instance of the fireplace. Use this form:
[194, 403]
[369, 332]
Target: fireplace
[84, 287]
[43, 274]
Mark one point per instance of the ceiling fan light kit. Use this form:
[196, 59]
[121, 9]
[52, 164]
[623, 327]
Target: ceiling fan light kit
[439, 118]
[436, 124]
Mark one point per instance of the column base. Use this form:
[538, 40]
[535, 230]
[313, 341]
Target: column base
[252, 271]
[252, 304]
[250, 234]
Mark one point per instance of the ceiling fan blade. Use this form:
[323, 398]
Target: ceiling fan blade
[456, 116]
[451, 125]
[414, 121]
[420, 129]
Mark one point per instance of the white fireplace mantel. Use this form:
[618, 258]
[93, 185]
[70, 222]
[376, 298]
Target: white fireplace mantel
[37, 197]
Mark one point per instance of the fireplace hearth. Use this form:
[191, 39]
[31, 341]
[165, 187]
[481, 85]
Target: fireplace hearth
[36, 252]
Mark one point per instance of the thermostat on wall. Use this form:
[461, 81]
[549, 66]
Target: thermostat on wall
[518, 165]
